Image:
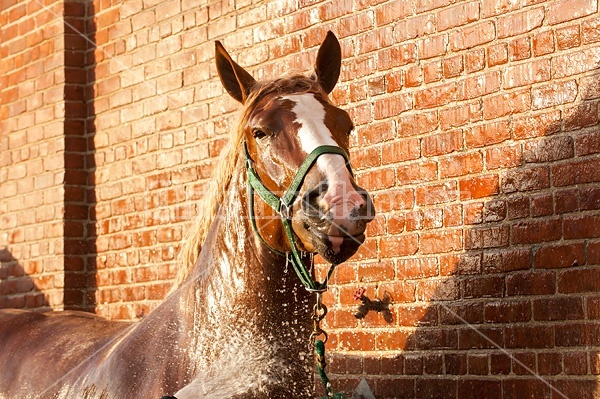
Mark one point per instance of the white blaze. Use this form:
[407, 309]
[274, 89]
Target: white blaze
[310, 115]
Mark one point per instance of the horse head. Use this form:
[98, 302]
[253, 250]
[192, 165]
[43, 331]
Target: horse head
[296, 144]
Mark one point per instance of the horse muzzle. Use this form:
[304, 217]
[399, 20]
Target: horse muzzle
[336, 218]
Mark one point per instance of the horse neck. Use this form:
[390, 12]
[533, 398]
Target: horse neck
[238, 286]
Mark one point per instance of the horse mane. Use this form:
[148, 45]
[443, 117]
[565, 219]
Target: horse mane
[207, 212]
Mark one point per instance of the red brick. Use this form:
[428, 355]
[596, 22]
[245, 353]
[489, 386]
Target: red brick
[531, 283]
[403, 245]
[528, 388]
[432, 46]
[525, 180]
[483, 287]
[417, 124]
[456, 364]
[568, 37]
[473, 213]
[581, 115]
[521, 22]
[576, 173]
[394, 81]
[550, 149]
[559, 308]
[436, 96]
[549, 363]
[572, 334]
[442, 143]
[567, 10]
[440, 241]
[506, 104]
[424, 219]
[472, 36]
[527, 73]
[536, 231]
[391, 12]
[392, 106]
[377, 179]
[396, 56]
[394, 200]
[594, 253]
[432, 72]
[417, 268]
[500, 364]
[381, 271]
[554, 94]
[542, 205]
[478, 364]
[585, 226]
[536, 126]
[461, 164]
[468, 312]
[590, 32]
[507, 311]
[414, 76]
[416, 172]
[574, 62]
[480, 338]
[436, 193]
[497, 54]
[457, 15]
[558, 256]
[576, 388]
[543, 43]
[478, 86]
[452, 215]
[460, 115]
[376, 133]
[523, 363]
[503, 157]
[478, 187]
[490, 133]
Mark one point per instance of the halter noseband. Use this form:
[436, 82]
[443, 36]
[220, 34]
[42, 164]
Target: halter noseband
[282, 206]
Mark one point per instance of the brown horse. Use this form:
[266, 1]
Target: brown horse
[237, 324]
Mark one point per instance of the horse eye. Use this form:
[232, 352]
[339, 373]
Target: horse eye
[350, 131]
[259, 134]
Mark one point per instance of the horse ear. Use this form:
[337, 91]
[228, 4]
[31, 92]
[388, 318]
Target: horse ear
[235, 79]
[329, 62]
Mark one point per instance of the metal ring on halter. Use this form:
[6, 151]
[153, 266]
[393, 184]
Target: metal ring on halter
[285, 211]
[315, 334]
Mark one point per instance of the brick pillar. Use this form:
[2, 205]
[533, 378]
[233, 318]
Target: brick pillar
[78, 63]
[44, 164]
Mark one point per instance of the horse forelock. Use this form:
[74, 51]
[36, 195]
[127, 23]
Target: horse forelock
[190, 251]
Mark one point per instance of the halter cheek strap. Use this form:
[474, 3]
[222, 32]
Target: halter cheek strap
[282, 206]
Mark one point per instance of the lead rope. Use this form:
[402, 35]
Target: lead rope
[319, 313]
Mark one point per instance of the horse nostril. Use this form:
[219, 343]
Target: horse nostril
[366, 208]
[310, 200]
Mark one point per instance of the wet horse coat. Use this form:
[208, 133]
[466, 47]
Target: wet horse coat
[240, 307]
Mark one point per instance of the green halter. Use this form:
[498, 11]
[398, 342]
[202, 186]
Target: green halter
[282, 207]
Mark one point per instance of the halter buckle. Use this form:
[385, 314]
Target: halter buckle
[285, 211]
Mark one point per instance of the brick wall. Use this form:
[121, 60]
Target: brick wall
[477, 133]
[32, 166]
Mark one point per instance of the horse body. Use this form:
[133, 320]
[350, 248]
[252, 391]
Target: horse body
[79, 355]
[238, 323]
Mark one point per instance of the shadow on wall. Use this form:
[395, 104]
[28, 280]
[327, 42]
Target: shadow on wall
[80, 195]
[516, 313]
[17, 289]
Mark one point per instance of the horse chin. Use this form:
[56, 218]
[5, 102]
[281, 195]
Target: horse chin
[335, 249]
